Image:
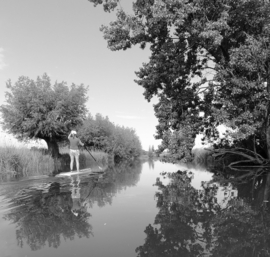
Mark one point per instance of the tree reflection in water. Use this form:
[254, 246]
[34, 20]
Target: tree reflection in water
[151, 163]
[44, 217]
[193, 222]
[243, 227]
[48, 212]
[182, 226]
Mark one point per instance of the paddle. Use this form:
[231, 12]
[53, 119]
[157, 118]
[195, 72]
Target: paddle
[92, 156]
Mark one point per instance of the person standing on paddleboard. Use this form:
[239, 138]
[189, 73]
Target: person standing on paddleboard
[74, 151]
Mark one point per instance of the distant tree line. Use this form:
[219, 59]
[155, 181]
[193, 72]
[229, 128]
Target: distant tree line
[101, 134]
[151, 152]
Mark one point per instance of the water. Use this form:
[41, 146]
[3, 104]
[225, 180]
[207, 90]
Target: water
[128, 212]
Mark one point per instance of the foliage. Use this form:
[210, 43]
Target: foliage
[100, 133]
[151, 152]
[40, 109]
[16, 162]
[188, 40]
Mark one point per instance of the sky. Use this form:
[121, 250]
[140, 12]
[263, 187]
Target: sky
[63, 39]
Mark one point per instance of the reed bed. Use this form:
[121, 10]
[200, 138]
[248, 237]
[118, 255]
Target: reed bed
[21, 161]
[24, 162]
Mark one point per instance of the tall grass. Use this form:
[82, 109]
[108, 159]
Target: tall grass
[22, 161]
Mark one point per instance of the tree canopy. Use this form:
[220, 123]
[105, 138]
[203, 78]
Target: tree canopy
[188, 40]
[100, 133]
[42, 110]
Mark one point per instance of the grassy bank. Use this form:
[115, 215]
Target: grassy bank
[21, 161]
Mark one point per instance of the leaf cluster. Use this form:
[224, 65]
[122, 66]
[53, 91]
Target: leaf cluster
[100, 133]
[208, 64]
[40, 109]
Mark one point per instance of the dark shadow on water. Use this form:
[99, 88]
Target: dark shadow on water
[223, 218]
[48, 211]
[182, 226]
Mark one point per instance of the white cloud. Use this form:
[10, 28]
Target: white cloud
[2, 63]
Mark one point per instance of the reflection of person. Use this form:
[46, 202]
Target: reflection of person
[75, 194]
[78, 204]
[74, 149]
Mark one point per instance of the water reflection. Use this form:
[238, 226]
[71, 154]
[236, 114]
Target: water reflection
[46, 213]
[43, 215]
[182, 226]
[243, 227]
[251, 184]
[78, 206]
[223, 218]
[151, 163]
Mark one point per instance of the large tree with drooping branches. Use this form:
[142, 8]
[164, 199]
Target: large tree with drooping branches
[189, 39]
[39, 109]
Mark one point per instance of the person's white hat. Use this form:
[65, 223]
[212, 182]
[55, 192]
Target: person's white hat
[73, 132]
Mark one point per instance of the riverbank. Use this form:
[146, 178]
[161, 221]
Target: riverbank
[25, 162]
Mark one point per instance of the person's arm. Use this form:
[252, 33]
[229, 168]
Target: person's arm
[80, 142]
[69, 135]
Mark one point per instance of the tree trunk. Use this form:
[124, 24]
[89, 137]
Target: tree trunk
[268, 121]
[266, 191]
[53, 150]
[268, 139]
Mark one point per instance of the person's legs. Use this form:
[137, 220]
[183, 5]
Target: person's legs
[71, 160]
[77, 162]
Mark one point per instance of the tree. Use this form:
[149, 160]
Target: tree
[187, 40]
[40, 110]
[121, 142]
[151, 152]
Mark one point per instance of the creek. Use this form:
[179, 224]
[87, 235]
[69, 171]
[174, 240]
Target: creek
[141, 209]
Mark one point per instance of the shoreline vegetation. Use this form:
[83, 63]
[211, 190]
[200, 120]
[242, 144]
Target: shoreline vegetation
[20, 161]
[40, 110]
[16, 162]
[191, 100]
[206, 71]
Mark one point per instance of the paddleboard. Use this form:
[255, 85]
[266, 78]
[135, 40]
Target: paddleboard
[74, 173]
